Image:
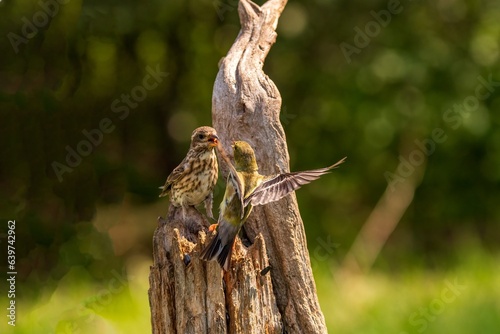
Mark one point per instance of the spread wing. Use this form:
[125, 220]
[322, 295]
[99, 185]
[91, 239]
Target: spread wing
[281, 185]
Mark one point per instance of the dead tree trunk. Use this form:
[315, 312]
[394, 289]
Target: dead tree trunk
[188, 295]
[246, 106]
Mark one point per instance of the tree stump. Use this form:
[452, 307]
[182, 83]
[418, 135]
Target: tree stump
[188, 295]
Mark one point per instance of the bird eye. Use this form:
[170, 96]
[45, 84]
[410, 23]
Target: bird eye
[201, 136]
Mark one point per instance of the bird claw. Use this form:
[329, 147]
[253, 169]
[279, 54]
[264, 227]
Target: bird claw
[213, 227]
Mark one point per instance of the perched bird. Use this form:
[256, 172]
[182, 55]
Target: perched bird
[193, 181]
[246, 188]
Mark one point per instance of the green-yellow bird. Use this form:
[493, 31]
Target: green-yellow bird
[246, 188]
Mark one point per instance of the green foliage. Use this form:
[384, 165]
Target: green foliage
[461, 299]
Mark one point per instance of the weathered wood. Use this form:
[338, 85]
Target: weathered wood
[249, 295]
[246, 106]
[179, 297]
[188, 295]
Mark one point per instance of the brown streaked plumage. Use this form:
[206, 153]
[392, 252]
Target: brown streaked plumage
[193, 181]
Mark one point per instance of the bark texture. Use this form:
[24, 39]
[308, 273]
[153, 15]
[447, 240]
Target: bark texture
[188, 295]
[245, 106]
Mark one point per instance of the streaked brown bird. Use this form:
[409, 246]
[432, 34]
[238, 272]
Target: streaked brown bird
[193, 181]
[246, 188]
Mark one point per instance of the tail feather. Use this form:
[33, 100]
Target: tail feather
[221, 246]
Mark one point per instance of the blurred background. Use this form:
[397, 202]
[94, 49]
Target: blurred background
[98, 100]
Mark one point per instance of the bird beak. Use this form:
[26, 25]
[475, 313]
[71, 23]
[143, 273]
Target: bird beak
[213, 140]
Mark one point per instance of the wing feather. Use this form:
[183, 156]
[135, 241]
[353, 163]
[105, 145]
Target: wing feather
[174, 176]
[281, 185]
[233, 174]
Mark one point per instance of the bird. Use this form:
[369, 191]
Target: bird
[194, 179]
[246, 188]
